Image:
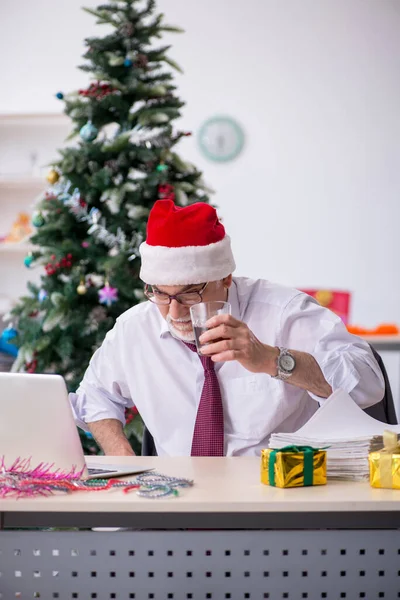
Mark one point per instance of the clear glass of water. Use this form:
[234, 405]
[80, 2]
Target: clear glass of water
[202, 312]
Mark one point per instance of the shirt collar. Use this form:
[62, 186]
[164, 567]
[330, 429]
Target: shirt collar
[232, 298]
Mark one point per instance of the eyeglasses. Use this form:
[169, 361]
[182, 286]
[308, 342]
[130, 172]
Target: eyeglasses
[185, 298]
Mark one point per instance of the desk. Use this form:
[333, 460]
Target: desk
[253, 541]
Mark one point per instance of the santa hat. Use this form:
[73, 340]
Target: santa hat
[185, 245]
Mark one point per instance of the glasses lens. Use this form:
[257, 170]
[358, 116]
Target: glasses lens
[157, 297]
[189, 299]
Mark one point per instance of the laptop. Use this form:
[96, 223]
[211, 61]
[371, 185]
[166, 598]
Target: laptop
[36, 422]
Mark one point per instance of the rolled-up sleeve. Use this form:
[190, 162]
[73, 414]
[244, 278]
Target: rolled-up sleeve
[345, 360]
[103, 393]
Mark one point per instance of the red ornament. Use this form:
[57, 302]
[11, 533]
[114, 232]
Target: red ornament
[166, 192]
[52, 267]
[31, 366]
[130, 414]
[98, 90]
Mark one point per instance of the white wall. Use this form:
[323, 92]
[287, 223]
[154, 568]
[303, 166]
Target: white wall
[314, 199]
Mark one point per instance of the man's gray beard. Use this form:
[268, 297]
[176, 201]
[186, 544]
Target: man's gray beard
[182, 337]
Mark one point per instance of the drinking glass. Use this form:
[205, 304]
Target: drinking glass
[202, 312]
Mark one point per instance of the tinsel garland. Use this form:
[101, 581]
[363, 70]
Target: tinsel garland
[21, 481]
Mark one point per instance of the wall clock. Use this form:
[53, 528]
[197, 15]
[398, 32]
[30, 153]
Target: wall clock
[221, 139]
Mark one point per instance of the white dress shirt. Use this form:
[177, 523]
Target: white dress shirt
[140, 363]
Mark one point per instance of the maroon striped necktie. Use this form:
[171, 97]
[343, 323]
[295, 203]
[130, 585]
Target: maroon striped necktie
[208, 434]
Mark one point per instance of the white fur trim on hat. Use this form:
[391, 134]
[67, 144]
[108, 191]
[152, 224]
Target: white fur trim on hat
[189, 264]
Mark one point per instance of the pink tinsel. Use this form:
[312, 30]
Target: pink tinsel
[21, 480]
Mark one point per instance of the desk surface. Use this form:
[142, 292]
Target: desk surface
[221, 485]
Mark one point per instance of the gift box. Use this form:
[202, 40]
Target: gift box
[384, 465]
[293, 466]
[337, 301]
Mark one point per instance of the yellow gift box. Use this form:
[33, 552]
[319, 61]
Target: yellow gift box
[293, 466]
[384, 466]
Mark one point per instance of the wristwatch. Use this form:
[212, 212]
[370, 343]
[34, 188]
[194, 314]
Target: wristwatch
[285, 363]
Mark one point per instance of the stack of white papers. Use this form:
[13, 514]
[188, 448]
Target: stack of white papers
[345, 429]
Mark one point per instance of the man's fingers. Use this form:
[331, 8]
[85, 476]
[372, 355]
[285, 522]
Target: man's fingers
[223, 319]
[226, 356]
[218, 347]
[223, 331]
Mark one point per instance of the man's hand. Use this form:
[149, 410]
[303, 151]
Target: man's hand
[229, 339]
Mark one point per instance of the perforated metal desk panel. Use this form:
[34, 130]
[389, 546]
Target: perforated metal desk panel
[254, 541]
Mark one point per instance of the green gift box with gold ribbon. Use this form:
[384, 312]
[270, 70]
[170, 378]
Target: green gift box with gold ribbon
[293, 466]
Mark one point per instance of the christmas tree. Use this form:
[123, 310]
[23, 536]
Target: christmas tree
[92, 218]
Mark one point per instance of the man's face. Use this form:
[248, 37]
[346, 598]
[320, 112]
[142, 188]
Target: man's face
[178, 316]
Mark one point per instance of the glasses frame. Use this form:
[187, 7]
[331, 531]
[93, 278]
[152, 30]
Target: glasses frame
[171, 297]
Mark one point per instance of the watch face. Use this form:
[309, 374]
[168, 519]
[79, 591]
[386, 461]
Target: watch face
[287, 363]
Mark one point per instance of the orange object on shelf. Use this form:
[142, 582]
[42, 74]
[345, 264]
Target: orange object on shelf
[383, 329]
[20, 230]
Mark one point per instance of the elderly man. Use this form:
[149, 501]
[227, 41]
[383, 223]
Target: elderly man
[264, 368]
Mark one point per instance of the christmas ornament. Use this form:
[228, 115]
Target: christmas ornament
[130, 414]
[28, 260]
[81, 289]
[128, 62]
[31, 366]
[60, 95]
[38, 220]
[166, 192]
[64, 263]
[42, 295]
[53, 176]
[85, 244]
[5, 338]
[161, 168]
[98, 90]
[21, 481]
[108, 295]
[89, 132]
[8, 334]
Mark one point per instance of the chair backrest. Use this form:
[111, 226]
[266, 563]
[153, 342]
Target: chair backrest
[383, 411]
[148, 445]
